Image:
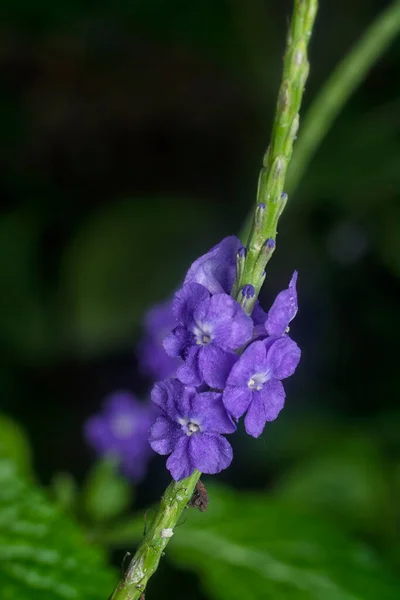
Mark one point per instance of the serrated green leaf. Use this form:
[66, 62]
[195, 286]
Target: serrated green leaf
[43, 554]
[250, 546]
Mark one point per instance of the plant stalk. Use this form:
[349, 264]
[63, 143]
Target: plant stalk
[272, 177]
[341, 84]
[145, 562]
[270, 197]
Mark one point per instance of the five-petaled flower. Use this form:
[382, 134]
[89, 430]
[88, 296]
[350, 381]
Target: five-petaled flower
[121, 430]
[254, 384]
[210, 329]
[190, 429]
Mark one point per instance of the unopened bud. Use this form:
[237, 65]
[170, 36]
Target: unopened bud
[259, 216]
[246, 295]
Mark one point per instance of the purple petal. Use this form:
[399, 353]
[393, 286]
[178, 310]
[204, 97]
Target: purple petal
[98, 434]
[210, 453]
[160, 319]
[215, 365]
[258, 315]
[283, 357]
[164, 435]
[230, 326]
[283, 310]
[176, 342]
[237, 400]
[189, 372]
[179, 462]
[154, 361]
[166, 395]
[255, 419]
[265, 406]
[216, 270]
[253, 360]
[209, 411]
[186, 301]
[273, 395]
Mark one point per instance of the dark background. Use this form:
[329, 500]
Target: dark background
[131, 139]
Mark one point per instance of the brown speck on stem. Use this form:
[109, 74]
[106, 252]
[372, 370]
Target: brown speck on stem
[200, 497]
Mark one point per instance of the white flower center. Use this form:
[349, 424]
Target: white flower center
[189, 427]
[257, 381]
[203, 334]
[122, 427]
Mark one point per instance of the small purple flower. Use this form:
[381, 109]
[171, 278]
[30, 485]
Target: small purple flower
[210, 329]
[153, 360]
[216, 270]
[283, 310]
[122, 430]
[254, 384]
[190, 429]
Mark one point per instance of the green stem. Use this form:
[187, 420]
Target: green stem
[270, 198]
[272, 177]
[335, 93]
[340, 86]
[145, 562]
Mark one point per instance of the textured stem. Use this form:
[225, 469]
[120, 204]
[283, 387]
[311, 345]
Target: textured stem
[272, 177]
[341, 84]
[328, 103]
[145, 562]
[270, 198]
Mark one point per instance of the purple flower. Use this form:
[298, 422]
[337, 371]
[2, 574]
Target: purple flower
[283, 310]
[190, 429]
[122, 430]
[210, 329]
[216, 270]
[153, 360]
[254, 384]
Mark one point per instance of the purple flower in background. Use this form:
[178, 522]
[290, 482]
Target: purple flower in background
[283, 310]
[216, 270]
[254, 384]
[210, 329]
[190, 429]
[153, 360]
[122, 430]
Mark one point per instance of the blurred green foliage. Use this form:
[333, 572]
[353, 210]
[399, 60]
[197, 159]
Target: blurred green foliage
[132, 134]
[106, 493]
[251, 546]
[42, 553]
[14, 446]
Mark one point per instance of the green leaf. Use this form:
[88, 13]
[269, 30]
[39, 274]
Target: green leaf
[43, 555]
[15, 446]
[251, 546]
[348, 481]
[106, 494]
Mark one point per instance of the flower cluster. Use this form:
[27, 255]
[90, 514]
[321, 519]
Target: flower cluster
[231, 364]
